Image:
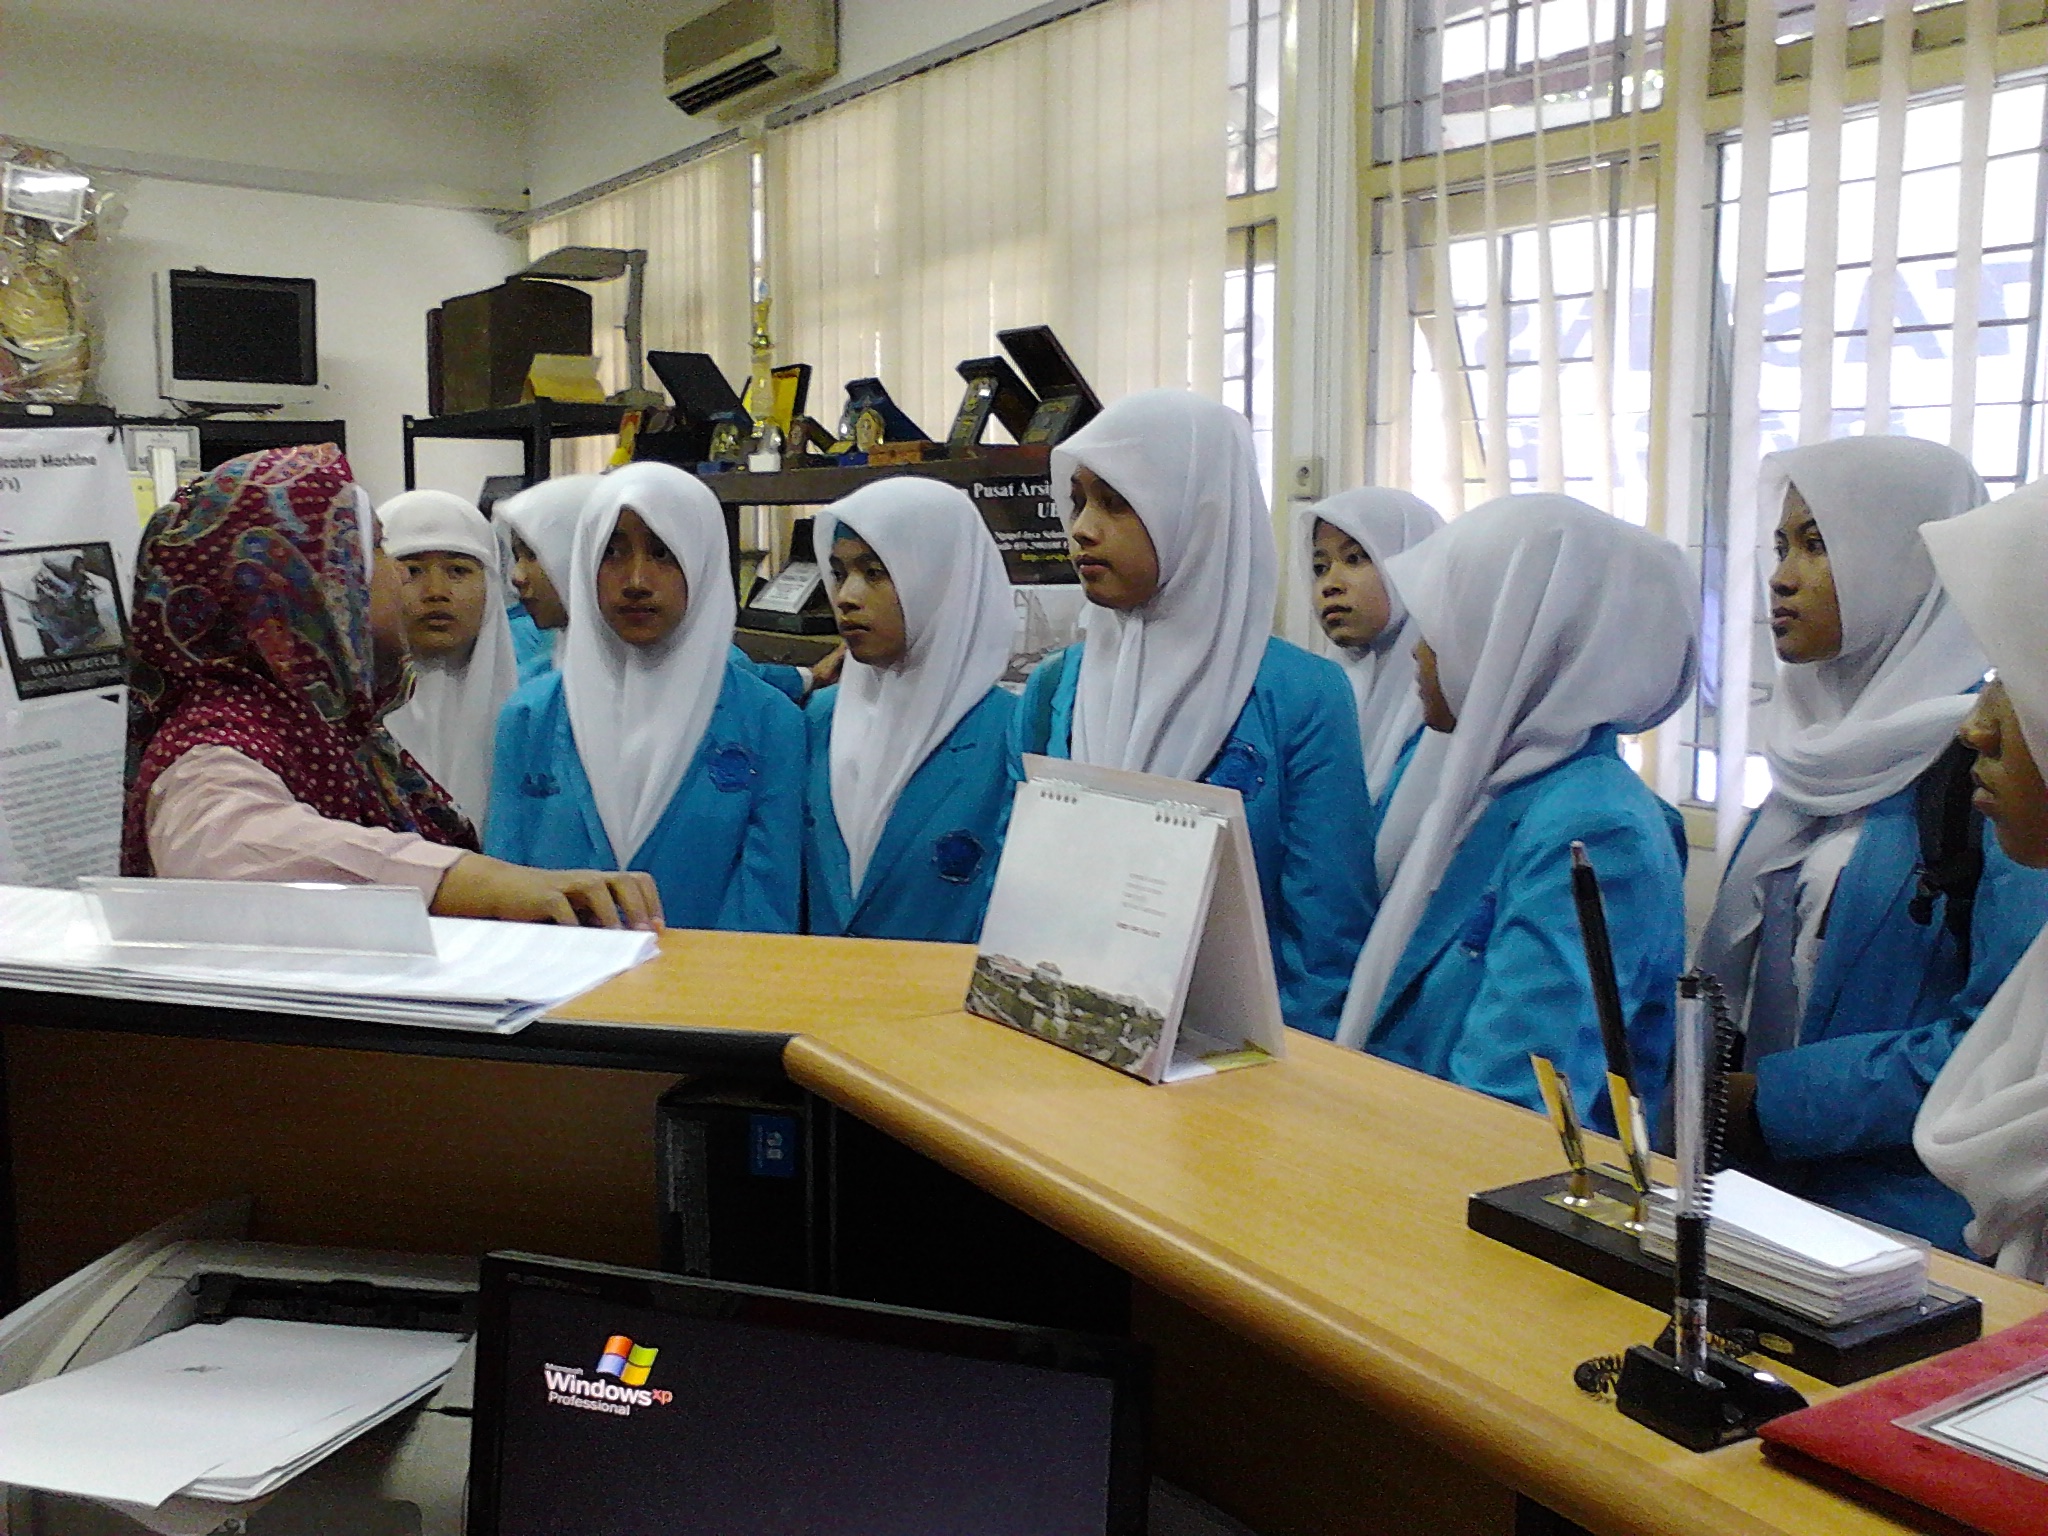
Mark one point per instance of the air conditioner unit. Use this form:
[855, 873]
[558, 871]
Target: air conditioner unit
[746, 52]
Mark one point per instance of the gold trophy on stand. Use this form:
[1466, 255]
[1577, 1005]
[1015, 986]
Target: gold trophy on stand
[764, 451]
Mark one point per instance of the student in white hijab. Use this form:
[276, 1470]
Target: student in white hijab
[1178, 672]
[540, 523]
[1984, 1126]
[463, 665]
[909, 788]
[649, 749]
[1545, 629]
[1853, 981]
[1346, 540]
[543, 519]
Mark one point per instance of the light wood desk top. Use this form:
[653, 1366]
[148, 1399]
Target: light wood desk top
[1316, 1206]
[773, 983]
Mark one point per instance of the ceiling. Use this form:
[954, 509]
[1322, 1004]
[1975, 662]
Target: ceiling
[476, 33]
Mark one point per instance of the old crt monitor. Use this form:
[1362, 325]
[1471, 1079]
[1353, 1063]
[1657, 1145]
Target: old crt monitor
[226, 338]
[636, 1403]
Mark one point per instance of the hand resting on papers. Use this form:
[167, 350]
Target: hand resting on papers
[477, 885]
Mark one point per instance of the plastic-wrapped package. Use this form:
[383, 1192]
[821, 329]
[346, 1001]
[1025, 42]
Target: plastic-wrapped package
[49, 217]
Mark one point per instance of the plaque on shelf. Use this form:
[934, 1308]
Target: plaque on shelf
[708, 423]
[872, 418]
[1065, 402]
[992, 388]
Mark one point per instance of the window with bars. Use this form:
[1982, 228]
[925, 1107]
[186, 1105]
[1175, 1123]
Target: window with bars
[1535, 378]
[1992, 409]
[1454, 73]
[1252, 135]
[1248, 321]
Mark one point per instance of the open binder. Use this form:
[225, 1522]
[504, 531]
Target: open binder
[1126, 924]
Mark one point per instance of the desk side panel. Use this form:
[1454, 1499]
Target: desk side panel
[112, 1133]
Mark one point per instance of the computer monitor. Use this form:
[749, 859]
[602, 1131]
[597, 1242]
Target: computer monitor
[638, 1403]
[226, 338]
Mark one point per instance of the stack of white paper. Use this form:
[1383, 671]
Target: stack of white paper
[486, 976]
[1804, 1257]
[229, 1411]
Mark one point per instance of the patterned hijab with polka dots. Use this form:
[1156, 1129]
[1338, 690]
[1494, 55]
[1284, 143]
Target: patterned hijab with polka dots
[252, 631]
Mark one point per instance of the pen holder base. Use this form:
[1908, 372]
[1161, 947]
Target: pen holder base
[1525, 1216]
[1700, 1413]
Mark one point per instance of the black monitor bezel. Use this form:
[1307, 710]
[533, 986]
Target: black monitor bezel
[1123, 1363]
[304, 291]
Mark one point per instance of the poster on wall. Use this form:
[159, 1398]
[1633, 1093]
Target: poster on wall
[67, 563]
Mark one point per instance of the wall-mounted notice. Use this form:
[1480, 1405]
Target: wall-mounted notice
[67, 562]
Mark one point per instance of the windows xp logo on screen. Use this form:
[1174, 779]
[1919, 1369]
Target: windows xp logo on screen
[626, 1361]
[617, 1386]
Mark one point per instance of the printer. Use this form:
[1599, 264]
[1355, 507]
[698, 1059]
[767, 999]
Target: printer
[405, 1477]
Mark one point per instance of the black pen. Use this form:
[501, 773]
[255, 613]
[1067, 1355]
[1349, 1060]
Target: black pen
[1621, 1079]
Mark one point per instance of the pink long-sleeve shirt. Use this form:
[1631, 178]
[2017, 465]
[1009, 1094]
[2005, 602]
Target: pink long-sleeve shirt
[216, 814]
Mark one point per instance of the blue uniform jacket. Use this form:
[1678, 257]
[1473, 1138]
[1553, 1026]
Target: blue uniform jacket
[1294, 757]
[725, 853]
[1497, 969]
[933, 868]
[785, 680]
[533, 648]
[1888, 1003]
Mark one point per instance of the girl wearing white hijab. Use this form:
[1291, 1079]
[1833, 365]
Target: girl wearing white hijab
[1178, 672]
[543, 521]
[648, 749]
[1854, 988]
[909, 787]
[463, 664]
[1345, 541]
[1984, 1127]
[1545, 628]
[541, 524]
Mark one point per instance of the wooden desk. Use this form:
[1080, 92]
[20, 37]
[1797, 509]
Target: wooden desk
[1337, 1351]
[1316, 1207]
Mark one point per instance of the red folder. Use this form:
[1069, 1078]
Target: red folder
[1851, 1443]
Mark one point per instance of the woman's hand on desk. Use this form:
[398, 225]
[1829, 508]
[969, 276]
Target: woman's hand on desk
[477, 885]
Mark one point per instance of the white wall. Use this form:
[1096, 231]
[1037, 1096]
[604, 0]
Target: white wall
[380, 267]
[596, 107]
[353, 127]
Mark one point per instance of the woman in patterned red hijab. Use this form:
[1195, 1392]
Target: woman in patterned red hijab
[252, 631]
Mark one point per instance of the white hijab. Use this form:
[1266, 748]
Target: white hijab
[1983, 1129]
[1384, 522]
[1842, 735]
[544, 516]
[1549, 621]
[451, 721]
[1162, 685]
[639, 713]
[957, 615]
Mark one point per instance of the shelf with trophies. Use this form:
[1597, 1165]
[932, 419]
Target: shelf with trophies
[764, 457]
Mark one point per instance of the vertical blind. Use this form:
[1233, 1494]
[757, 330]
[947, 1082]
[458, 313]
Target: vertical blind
[1879, 271]
[1071, 176]
[1513, 258]
[692, 222]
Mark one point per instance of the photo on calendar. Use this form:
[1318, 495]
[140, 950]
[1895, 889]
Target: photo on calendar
[61, 619]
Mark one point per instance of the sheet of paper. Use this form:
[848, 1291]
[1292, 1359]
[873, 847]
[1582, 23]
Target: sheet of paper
[144, 1425]
[1799, 1226]
[2012, 1425]
[60, 788]
[485, 975]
